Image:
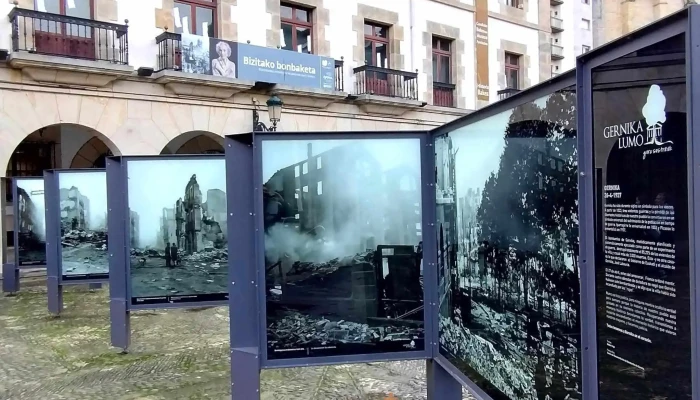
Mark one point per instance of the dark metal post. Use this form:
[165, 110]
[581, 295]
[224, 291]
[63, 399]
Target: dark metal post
[441, 385]
[119, 315]
[243, 285]
[54, 289]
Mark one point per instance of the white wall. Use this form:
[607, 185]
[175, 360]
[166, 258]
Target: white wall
[143, 51]
[498, 30]
[253, 22]
[531, 14]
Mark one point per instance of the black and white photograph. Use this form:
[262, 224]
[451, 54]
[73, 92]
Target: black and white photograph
[223, 56]
[508, 251]
[177, 230]
[195, 54]
[31, 225]
[83, 208]
[343, 247]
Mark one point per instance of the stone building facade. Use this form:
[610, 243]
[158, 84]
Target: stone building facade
[85, 79]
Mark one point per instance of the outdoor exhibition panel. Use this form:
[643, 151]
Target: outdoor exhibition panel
[10, 271]
[637, 162]
[169, 225]
[507, 262]
[29, 221]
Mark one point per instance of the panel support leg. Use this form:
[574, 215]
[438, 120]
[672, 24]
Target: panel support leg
[10, 278]
[95, 286]
[120, 324]
[441, 385]
[54, 292]
[245, 374]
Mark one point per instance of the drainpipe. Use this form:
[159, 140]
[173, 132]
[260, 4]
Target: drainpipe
[412, 17]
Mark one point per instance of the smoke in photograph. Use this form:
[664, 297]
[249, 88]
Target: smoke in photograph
[31, 225]
[343, 247]
[178, 230]
[508, 251]
[83, 213]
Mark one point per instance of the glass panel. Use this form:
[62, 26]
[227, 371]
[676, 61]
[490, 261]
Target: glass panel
[286, 12]
[508, 251]
[303, 15]
[31, 221]
[368, 30]
[83, 221]
[380, 31]
[436, 72]
[80, 9]
[436, 43]
[205, 22]
[382, 55]
[182, 14]
[287, 39]
[445, 44]
[444, 69]
[343, 262]
[369, 57]
[512, 78]
[640, 156]
[178, 230]
[303, 40]
[51, 6]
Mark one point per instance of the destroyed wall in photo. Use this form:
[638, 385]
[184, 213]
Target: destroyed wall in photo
[31, 221]
[507, 238]
[343, 246]
[83, 223]
[177, 229]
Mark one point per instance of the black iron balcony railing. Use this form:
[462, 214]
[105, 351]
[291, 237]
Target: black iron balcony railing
[170, 56]
[506, 93]
[386, 82]
[339, 75]
[443, 94]
[61, 35]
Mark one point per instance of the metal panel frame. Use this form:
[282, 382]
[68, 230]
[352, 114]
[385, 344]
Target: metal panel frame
[258, 138]
[15, 218]
[10, 272]
[448, 371]
[671, 26]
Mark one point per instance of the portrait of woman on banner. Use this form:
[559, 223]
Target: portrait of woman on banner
[223, 66]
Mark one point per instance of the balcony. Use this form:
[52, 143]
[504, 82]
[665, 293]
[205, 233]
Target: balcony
[90, 52]
[443, 94]
[557, 24]
[506, 93]
[556, 2]
[386, 91]
[557, 52]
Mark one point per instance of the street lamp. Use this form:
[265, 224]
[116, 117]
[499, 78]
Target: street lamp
[274, 111]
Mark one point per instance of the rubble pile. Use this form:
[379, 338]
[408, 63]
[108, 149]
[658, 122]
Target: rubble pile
[293, 329]
[302, 271]
[147, 253]
[207, 256]
[77, 237]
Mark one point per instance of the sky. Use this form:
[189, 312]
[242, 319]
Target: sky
[389, 153]
[35, 189]
[157, 184]
[92, 185]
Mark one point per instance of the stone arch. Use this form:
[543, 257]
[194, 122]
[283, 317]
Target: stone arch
[61, 145]
[195, 142]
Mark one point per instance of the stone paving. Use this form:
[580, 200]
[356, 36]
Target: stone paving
[175, 354]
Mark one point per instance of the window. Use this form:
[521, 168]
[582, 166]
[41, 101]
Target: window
[197, 17]
[515, 3]
[305, 168]
[585, 24]
[319, 188]
[60, 38]
[318, 163]
[512, 70]
[376, 45]
[296, 28]
[585, 48]
[441, 60]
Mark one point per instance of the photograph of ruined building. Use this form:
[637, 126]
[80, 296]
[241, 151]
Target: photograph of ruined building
[83, 208]
[343, 247]
[178, 230]
[31, 226]
[508, 251]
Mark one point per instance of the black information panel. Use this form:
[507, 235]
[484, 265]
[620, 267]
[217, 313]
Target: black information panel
[642, 241]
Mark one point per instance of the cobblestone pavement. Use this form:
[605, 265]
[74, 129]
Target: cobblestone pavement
[176, 354]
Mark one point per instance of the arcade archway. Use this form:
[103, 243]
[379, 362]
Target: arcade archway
[195, 142]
